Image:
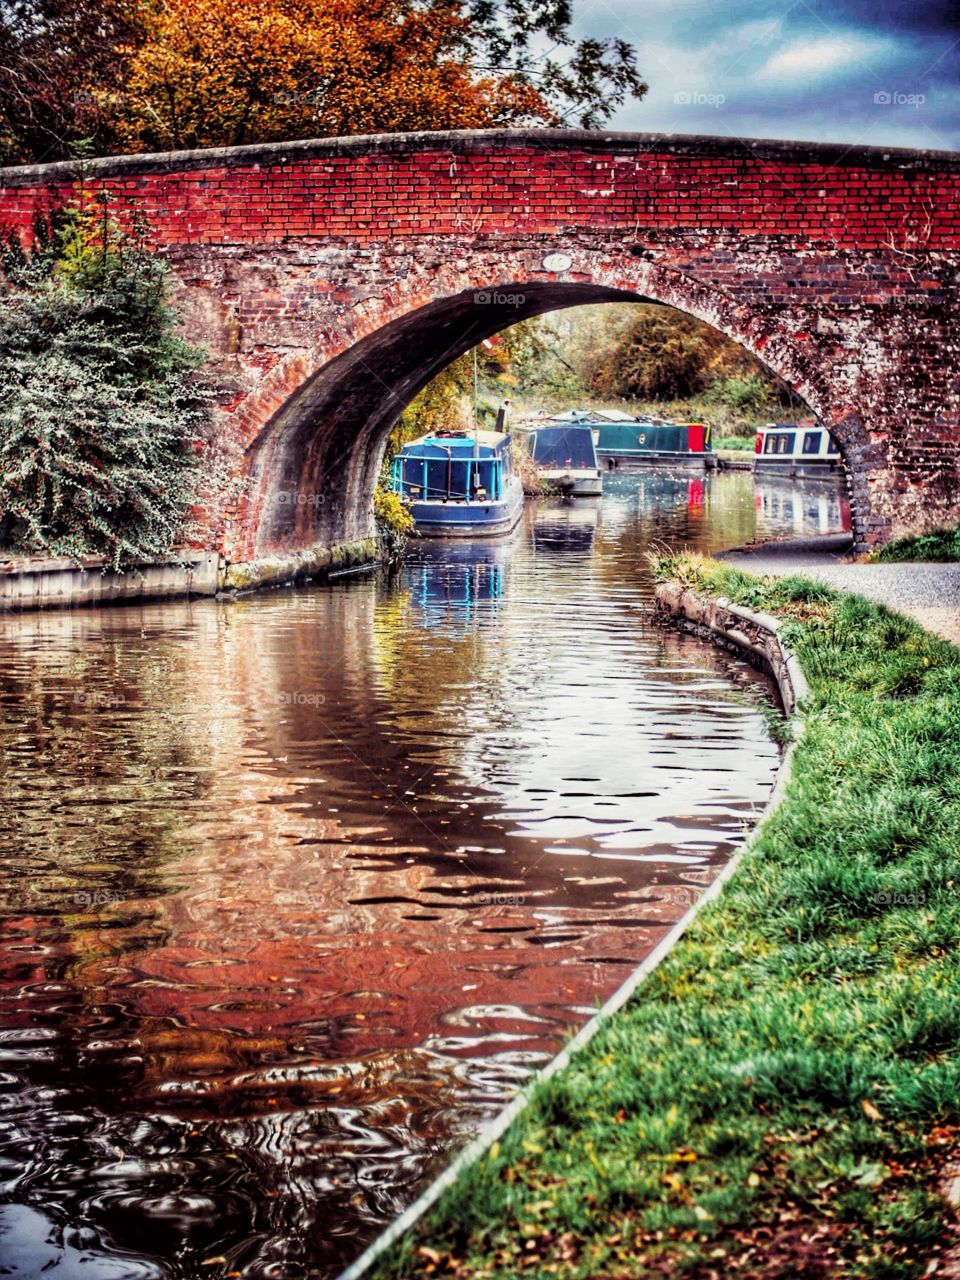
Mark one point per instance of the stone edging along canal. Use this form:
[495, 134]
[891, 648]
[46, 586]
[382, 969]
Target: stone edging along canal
[34, 582]
[758, 636]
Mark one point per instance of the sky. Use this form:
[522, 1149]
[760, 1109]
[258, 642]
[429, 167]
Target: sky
[864, 72]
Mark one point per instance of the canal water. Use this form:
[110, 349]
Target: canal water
[297, 889]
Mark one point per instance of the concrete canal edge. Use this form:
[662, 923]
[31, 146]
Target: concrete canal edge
[34, 583]
[757, 635]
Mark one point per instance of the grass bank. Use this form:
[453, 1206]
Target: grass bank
[939, 545]
[779, 1097]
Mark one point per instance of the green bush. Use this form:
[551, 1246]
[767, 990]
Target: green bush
[100, 421]
[742, 392]
[938, 545]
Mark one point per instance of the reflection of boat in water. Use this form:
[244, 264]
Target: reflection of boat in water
[466, 552]
[566, 457]
[802, 507]
[803, 449]
[459, 485]
[566, 526]
[448, 581]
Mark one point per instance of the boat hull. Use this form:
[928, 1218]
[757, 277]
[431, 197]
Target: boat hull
[641, 459]
[575, 484]
[799, 468]
[468, 519]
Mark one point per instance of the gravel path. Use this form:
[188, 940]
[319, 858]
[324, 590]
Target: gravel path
[928, 592]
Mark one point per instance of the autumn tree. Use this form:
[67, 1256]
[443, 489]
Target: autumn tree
[663, 354]
[61, 72]
[168, 74]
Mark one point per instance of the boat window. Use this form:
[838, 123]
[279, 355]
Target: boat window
[483, 476]
[832, 446]
[811, 442]
[411, 474]
[446, 479]
[780, 442]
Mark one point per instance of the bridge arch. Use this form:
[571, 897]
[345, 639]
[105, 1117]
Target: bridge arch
[329, 278]
[313, 467]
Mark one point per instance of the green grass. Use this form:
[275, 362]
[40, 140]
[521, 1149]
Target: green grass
[939, 544]
[739, 444]
[782, 1089]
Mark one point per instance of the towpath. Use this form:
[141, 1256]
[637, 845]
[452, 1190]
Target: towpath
[928, 592]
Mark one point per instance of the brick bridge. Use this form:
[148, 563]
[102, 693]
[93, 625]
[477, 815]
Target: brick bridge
[330, 280]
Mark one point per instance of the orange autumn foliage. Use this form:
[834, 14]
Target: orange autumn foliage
[226, 72]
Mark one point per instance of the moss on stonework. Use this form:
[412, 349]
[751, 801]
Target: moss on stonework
[316, 561]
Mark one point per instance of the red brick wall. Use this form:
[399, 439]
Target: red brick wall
[365, 196]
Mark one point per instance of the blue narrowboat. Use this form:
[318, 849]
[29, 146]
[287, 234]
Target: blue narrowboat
[459, 484]
[565, 455]
[624, 440]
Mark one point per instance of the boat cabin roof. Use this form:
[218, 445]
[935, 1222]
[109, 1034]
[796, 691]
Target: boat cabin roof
[586, 417]
[459, 445]
[807, 424]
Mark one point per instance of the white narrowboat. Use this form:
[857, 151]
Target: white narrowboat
[804, 449]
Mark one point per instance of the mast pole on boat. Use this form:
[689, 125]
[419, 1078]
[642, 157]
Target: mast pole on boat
[476, 410]
[474, 481]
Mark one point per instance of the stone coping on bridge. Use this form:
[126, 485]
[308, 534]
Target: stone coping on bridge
[466, 141]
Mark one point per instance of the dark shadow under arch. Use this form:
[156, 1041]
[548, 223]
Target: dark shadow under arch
[314, 467]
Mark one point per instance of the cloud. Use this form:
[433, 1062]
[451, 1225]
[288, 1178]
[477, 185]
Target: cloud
[849, 71]
[824, 56]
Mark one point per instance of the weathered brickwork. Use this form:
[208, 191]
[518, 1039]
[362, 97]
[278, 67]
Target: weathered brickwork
[330, 280]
